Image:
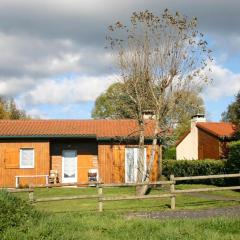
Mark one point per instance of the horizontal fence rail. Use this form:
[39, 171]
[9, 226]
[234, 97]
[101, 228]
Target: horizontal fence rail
[66, 198]
[129, 197]
[206, 189]
[100, 197]
[207, 177]
[13, 190]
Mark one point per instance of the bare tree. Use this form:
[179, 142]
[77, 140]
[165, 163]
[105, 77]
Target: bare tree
[160, 57]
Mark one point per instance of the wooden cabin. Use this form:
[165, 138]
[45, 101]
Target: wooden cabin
[76, 150]
[205, 140]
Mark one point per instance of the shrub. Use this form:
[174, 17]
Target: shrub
[182, 168]
[15, 212]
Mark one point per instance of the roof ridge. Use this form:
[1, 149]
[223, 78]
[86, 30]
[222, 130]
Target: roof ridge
[64, 120]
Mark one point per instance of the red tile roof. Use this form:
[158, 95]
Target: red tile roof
[219, 129]
[98, 128]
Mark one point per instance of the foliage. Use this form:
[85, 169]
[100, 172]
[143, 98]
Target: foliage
[113, 103]
[15, 212]
[182, 168]
[233, 111]
[169, 153]
[187, 107]
[9, 110]
[233, 114]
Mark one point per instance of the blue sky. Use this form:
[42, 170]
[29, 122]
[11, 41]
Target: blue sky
[53, 61]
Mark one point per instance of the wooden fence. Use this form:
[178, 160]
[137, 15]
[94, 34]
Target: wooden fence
[100, 190]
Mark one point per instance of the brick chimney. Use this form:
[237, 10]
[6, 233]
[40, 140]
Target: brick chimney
[148, 114]
[197, 118]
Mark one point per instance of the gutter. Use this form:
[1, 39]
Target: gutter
[90, 136]
[49, 136]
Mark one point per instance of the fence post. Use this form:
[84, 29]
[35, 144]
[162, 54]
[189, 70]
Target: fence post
[46, 179]
[172, 189]
[30, 195]
[17, 182]
[100, 202]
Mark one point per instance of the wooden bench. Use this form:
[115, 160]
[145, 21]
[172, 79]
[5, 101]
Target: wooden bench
[29, 176]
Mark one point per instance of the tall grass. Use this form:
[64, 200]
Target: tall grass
[113, 226]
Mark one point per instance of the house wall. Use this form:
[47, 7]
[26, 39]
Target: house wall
[188, 148]
[10, 162]
[111, 160]
[209, 145]
[87, 156]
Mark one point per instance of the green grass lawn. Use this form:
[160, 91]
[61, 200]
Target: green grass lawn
[79, 219]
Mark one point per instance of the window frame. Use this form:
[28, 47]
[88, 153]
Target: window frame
[33, 160]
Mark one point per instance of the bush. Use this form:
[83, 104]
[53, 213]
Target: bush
[182, 168]
[14, 212]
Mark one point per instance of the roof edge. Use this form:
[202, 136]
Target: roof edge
[48, 136]
[184, 135]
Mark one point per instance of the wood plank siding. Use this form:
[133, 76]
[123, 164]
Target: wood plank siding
[111, 162]
[208, 145]
[10, 162]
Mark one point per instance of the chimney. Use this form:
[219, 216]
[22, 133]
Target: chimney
[197, 118]
[148, 114]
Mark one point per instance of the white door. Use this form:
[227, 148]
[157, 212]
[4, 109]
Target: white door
[69, 166]
[131, 164]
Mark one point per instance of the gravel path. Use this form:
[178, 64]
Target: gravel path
[214, 212]
[215, 197]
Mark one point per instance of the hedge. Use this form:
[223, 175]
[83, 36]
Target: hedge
[233, 162]
[182, 168]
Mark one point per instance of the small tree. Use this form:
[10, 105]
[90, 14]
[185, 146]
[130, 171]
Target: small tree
[114, 103]
[160, 58]
[233, 115]
[233, 111]
[9, 110]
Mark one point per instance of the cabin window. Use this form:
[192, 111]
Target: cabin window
[27, 158]
[131, 164]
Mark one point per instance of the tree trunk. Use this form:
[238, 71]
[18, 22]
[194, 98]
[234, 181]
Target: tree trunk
[146, 177]
[140, 167]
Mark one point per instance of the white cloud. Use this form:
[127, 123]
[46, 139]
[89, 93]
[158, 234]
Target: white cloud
[66, 91]
[225, 83]
[36, 113]
[12, 86]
